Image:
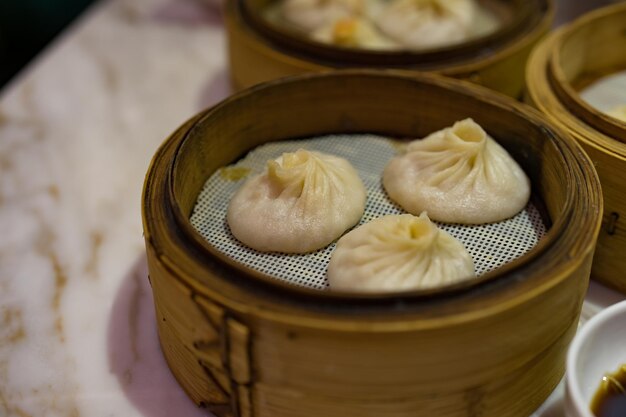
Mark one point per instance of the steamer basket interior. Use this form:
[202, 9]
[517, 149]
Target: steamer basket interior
[360, 103]
[260, 51]
[491, 245]
[514, 18]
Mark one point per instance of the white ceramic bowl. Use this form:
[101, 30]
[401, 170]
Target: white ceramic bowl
[598, 348]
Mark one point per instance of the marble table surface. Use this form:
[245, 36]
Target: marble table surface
[77, 130]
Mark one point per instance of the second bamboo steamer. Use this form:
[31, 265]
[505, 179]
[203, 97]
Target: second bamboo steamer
[574, 77]
[259, 52]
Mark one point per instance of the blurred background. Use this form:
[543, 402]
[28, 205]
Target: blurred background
[27, 26]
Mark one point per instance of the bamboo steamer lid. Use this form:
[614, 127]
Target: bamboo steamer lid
[242, 343]
[564, 64]
[258, 51]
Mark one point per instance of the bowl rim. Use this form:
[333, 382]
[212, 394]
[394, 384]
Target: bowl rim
[575, 394]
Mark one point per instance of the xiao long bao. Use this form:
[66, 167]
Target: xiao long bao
[302, 202]
[388, 24]
[428, 23]
[398, 253]
[458, 175]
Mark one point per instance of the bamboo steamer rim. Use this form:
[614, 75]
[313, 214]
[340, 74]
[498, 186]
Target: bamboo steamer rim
[501, 44]
[539, 90]
[562, 84]
[544, 277]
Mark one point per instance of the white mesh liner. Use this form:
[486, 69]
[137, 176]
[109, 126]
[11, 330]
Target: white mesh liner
[491, 245]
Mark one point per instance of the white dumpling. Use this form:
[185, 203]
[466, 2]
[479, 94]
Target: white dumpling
[420, 24]
[619, 113]
[458, 175]
[398, 253]
[313, 14]
[353, 32]
[301, 203]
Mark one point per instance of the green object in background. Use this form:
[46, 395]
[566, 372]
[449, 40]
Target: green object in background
[26, 26]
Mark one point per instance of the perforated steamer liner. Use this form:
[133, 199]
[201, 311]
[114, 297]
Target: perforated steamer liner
[243, 344]
[490, 245]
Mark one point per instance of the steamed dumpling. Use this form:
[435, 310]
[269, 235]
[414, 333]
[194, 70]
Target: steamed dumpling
[619, 113]
[398, 253]
[301, 203]
[458, 175]
[313, 14]
[421, 24]
[353, 32]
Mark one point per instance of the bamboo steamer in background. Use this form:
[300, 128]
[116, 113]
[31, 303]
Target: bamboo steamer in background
[259, 51]
[243, 343]
[569, 60]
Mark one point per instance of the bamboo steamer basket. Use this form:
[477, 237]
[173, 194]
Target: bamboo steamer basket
[258, 51]
[566, 62]
[244, 344]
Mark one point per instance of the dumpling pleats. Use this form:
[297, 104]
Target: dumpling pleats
[458, 175]
[398, 253]
[303, 202]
